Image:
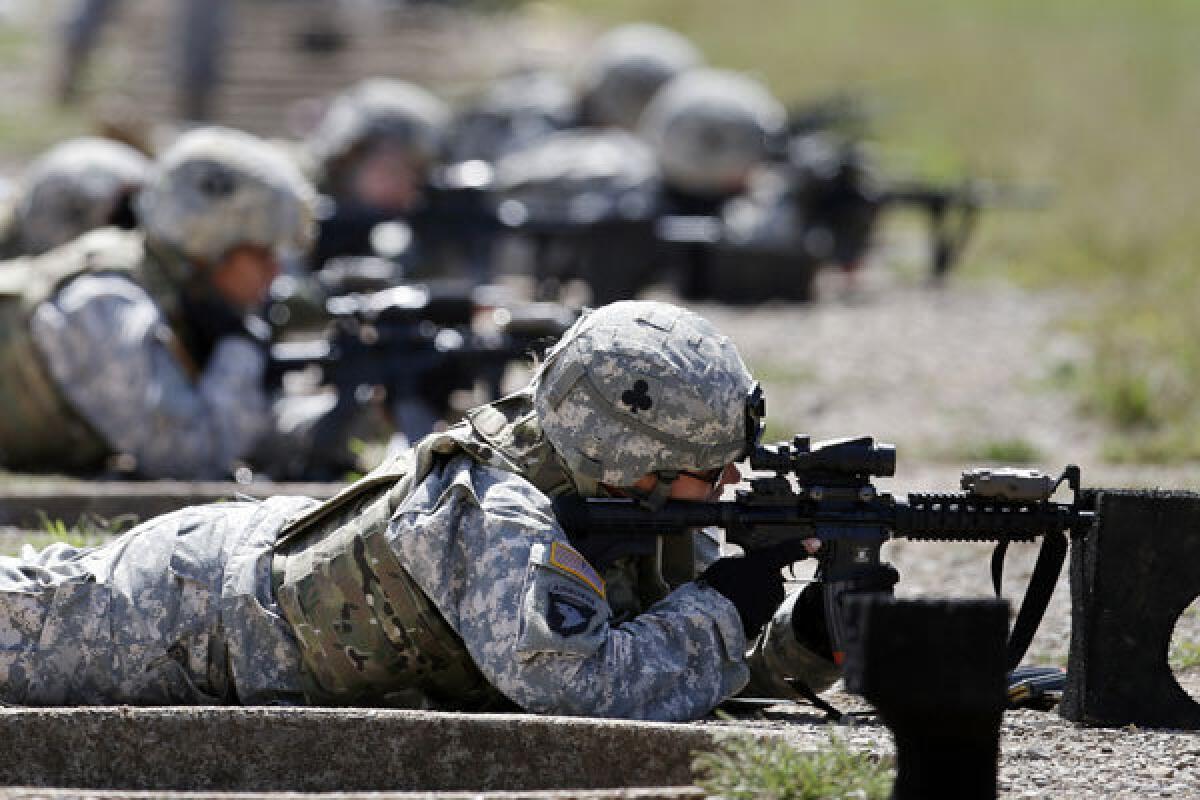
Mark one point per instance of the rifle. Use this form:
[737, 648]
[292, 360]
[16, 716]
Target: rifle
[836, 188]
[413, 347]
[833, 499]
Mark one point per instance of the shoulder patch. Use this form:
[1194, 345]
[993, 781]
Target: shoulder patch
[569, 560]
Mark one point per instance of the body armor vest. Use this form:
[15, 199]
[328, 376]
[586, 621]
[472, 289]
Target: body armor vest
[368, 633]
[39, 429]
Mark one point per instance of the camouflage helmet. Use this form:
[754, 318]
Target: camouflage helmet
[625, 67]
[644, 387]
[710, 128]
[379, 110]
[216, 188]
[75, 187]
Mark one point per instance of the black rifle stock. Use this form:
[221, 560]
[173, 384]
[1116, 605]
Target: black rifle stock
[825, 492]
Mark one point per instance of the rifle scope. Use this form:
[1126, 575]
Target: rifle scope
[861, 456]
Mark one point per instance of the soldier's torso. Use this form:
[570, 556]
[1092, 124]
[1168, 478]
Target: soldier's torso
[368, 632]
[40, 429]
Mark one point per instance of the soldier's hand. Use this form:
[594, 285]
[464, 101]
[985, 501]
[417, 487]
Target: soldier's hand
[753, 583]
[210, 319]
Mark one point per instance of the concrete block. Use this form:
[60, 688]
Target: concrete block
[342, 750]
[1131, 578]
[935, 671]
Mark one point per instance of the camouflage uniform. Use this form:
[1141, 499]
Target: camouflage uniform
[177, 610]
[442, 578]
[98, 329]
[108, 346]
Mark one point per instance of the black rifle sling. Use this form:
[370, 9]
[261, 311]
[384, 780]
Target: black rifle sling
[998, 566]
[1037, 595]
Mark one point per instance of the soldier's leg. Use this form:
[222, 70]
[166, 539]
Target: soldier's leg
[133, 621]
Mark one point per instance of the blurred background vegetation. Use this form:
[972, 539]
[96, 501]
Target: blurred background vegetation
[1099, 99]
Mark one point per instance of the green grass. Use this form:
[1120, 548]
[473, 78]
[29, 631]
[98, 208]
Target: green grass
[745, 767]
[1096, 98]
[1013, 450]
[89, 531]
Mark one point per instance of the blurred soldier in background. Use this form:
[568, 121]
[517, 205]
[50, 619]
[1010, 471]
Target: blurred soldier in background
[512, 113]
[77, 186]
[198, 28]
[713, 132]
[586, 198]
[625, 68]
[711, 129]
[135, 349]
[372, 152]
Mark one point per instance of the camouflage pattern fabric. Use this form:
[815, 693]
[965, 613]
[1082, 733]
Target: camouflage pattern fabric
[777, 654]
[639, 387]
[108, 348]
[484, 547]
[177, 610]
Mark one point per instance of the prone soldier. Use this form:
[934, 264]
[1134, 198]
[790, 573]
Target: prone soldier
[443, 578]
[624, 69]
[372, 151]
[135, 346]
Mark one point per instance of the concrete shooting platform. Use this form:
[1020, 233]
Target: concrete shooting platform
[221, 750]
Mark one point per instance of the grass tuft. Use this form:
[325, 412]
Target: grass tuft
[751, 769]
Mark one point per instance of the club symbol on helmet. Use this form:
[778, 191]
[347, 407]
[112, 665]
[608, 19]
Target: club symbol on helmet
[638, 397]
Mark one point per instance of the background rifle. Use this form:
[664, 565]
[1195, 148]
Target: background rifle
[833, 499]
[837, 189]
[413, 347]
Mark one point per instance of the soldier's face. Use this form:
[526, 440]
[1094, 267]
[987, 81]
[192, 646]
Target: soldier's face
[243, 277]
[386, 179]
[696, 486]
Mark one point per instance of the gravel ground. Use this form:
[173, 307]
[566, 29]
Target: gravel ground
[942, 373]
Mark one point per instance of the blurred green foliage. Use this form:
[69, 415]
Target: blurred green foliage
[1099, 99]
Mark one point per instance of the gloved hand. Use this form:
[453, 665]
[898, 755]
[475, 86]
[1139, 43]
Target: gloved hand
[209, 319]
[753, 582]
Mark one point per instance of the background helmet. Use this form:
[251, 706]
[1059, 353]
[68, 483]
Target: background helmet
[217, 188]
[75, 187]
[378, 111]
[625, 67]
[710, 128]
[637, 387]
[515, 111]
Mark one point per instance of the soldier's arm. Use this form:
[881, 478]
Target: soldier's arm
[533, 615]
[110, 351]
